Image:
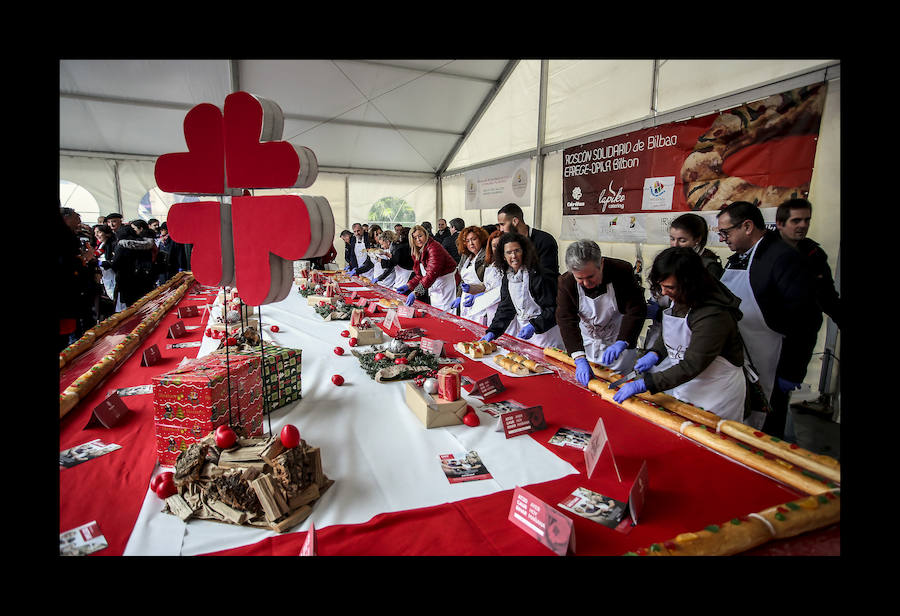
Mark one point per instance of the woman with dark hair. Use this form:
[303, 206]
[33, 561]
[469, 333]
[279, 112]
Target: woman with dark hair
[690, 231]
[700, 344]
[471, 245]
[434, 271]
[527, 296]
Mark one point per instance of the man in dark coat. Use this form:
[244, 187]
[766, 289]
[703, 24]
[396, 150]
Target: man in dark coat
[449, 241]
[792, 220]
[511, 219]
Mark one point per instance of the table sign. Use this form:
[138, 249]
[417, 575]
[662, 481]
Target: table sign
[595, 448]
[108, 413]
[638, 493]
[151, 355]
[524, 421]
[310, 546]
[135, 390]
[391, 320]
[188, 311]
[176, 330]
[435, 347]
[372, 308]
[489, 386]
[354, 296]
[542, 522]
[192, 327]
[407, 312]
[185, 345]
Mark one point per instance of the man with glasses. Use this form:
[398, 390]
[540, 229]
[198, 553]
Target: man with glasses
[781, 319]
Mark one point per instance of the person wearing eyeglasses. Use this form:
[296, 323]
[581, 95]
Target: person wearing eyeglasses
[698, 358]
[781, 318]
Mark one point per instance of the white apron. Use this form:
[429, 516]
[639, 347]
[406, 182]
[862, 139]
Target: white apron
[469, 276]
[109, 279]
[359, 248]
[719, 389]
[599, 324]
[485, 305]
[442, 291]
[401, 277]
[527, 309]
[763, 343]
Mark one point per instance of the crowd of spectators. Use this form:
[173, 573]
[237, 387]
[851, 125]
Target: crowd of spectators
[107, 267]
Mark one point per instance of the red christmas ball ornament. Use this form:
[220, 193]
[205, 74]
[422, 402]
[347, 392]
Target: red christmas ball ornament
[352, 342]
[337, 379]
[154, 483]
[345, 333]
[166, 488]
[338, 350]
[471, 419]
[225, 437]
[379, 356]
[290, 436]
[401, 360]
[274, 329]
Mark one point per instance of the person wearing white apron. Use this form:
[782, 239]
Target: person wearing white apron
[473, 241]
[700, 339]
[383, 268]
[526, 297]
[434, 270]
[401, 258]
[600, 310]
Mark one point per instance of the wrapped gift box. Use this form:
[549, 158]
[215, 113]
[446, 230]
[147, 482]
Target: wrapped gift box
[449, 384]
[194, 399]
[280, 373]
[432, 411]
[366, 335]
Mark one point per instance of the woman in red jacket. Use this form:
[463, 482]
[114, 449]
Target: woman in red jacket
[434, 271]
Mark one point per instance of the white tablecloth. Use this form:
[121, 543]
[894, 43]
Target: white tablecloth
[378, 453]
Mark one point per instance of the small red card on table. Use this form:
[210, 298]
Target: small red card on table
[542, 522]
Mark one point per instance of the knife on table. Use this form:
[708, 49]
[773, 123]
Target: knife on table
[624, 379]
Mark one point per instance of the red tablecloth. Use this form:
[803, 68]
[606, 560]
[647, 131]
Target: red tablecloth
[690, 486]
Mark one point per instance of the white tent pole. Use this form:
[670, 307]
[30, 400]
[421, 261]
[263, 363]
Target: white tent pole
[541, 131]
[117, 187]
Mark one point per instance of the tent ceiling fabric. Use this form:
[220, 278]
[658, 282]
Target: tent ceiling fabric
[390, 115]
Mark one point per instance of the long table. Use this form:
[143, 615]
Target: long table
[390, 496]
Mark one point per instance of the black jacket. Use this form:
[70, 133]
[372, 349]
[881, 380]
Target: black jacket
[783, 287]
[548, 254]
[449, 244]
[817, 262]
[544, 294]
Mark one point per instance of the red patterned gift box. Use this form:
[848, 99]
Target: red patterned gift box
[193, 400]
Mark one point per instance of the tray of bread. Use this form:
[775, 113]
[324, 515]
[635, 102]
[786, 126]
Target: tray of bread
[477, 349]
[513, 364]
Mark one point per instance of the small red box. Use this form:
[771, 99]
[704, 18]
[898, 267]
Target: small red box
[449, 384]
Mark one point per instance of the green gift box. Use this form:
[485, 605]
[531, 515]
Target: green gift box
[280, 373]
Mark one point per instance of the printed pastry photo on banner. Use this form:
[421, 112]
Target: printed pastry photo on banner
[761, 152]
[240, 239]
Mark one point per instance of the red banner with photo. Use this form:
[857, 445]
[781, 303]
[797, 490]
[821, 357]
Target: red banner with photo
[761, 152]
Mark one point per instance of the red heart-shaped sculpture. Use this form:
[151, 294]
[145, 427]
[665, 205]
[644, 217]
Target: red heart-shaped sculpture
[198, 223]
[250, 162]
[201, 169]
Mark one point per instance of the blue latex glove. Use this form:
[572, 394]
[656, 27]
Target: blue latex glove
[455, 303]
[471, 300]
[465, 287]
[629, 389]
[612, 352]
[646, 362]
[526, 332]
[785, 386]
[403, 290]
[351, 272]
[652, 309]
[488, 336]
[347, 268]
[411, 299]
[583, 371]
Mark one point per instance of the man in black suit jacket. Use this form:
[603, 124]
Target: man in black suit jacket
[511, 219]
[449, 241]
